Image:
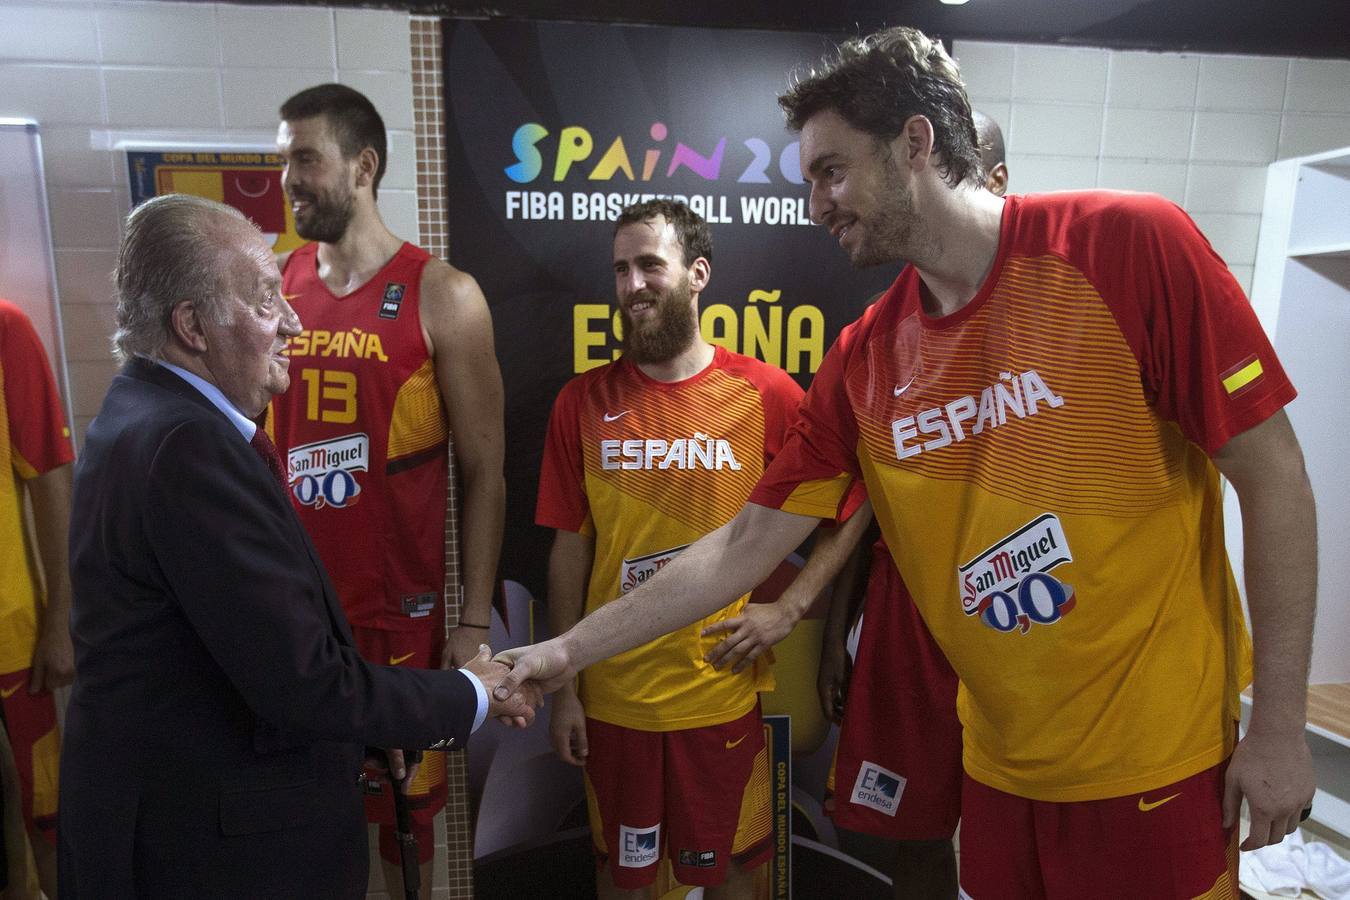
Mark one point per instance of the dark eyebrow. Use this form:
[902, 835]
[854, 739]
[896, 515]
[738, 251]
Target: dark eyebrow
[642, 260]
[821, 161]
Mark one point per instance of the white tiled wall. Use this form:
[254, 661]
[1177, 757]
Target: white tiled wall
[92, 72]
[1199, 129]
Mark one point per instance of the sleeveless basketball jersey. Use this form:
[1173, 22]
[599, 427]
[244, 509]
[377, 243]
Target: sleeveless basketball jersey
[363, 432]
[647, 468]
[1039, 463]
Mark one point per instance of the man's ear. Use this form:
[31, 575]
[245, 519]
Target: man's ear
[367, 164]
[914, 143]
[185, 325]
[699, 275]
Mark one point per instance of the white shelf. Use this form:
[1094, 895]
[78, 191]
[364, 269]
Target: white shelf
[1325, 251]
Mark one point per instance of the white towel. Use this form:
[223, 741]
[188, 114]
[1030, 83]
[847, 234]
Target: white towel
[1286, 868]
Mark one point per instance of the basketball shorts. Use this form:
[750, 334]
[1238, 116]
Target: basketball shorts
[30, 722]
[698, 796]
[428, 792]
[897, 767]
[1165, 844]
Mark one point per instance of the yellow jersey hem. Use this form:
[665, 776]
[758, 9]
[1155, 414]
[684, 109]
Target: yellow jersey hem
[1103, 790]
[728, 714]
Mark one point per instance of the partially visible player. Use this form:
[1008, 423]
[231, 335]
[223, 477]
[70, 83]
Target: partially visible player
[35, 649]
[396, 358]
[643, 456]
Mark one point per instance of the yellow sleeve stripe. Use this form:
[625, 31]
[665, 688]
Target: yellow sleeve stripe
[22, 466]
[819, 498]
[1243, 376]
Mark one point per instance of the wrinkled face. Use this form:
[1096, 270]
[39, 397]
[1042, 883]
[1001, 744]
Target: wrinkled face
[858, 191]
[654, 292]
[317, 178]
[245, 356]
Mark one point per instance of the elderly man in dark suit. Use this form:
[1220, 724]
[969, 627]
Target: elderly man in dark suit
[215, 731]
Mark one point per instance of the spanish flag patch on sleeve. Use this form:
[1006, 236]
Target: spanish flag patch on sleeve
[1241, 376]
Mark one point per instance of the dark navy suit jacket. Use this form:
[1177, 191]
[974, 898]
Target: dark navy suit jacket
[216, 726]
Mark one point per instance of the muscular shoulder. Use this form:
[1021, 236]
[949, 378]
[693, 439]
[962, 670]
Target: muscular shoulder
[452, 306]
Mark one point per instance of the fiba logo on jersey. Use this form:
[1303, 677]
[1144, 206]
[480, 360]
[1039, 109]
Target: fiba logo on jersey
[639, 847]
[878, 787]
[324, 473]
[1009, 585]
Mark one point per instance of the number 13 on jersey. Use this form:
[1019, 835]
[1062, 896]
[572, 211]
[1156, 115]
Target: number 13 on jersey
[330, 395]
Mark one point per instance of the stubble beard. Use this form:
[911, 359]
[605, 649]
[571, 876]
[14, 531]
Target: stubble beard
[667, 335]
[889, 234]
[327, 220]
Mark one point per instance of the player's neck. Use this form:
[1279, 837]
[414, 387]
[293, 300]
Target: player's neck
[364, 249]
[960, 249]
[688, 363]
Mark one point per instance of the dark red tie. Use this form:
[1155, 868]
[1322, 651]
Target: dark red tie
[264, 447]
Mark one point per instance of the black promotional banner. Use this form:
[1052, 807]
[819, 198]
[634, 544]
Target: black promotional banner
[551, 130]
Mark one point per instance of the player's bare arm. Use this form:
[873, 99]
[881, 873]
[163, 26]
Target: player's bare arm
[53, 657]
[713, 571]
[457, 326]
[846, 606]
[569, 573]
[761, 625]
[1272, 766]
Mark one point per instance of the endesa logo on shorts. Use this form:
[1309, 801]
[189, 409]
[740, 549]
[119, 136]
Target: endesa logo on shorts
[636, 571]
[878, 787]
[1009, 585]
[323, 473]
[639, 847]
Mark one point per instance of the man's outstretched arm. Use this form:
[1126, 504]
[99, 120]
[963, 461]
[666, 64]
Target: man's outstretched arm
[712, 572]
[761, 625]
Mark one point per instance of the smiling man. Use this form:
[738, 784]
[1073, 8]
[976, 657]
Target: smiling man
[220, 708]
[644, 456]
[1041, 407]
[396, 359]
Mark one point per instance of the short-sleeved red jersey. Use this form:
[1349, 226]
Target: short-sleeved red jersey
[34, 439]
[1039, 464]
[648, 467]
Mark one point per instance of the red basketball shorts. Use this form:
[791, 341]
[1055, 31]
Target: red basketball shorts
[30, 721]
[1165, 844]
[699, 796]
[428, 792]
[897, 767]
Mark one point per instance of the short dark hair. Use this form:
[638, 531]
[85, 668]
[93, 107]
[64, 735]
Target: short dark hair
[991, 141]
[355, 122]
[694, 234]
[876, 83]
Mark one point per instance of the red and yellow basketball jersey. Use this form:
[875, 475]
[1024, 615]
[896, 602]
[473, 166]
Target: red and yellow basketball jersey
[364, 434]
[34, 439]
[646, 468]
[1039, 465]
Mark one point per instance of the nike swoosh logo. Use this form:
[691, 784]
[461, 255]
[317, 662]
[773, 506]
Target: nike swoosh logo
[901, 390]
[1145, 807]
[609, 418]
[6, 693]
[732, 745]
[395, 660]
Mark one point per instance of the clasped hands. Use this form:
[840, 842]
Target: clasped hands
[514, 708]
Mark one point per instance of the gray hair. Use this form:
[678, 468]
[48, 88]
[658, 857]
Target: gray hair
[172, 250]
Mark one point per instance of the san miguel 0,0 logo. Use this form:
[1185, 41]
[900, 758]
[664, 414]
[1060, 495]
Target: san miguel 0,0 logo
[1009, 585]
